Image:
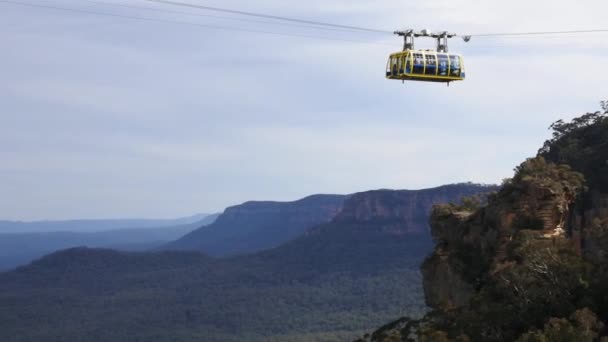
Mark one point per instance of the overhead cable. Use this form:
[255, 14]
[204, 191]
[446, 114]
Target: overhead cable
[198, 14]
[514, 34]
[214, 27]
[269, 16]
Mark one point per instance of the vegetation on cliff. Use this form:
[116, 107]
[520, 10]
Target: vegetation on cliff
[582, 144]
[531, 264]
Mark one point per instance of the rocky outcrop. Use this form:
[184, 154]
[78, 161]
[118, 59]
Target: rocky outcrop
[506, 244]
[444, 286]
[532, 264]
[471, 243]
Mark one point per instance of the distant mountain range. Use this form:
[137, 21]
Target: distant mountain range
[82, 226]
[255, 226]
[21, 248]
[331, 283]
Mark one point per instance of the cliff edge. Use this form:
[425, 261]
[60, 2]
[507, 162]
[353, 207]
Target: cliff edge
[531, 264]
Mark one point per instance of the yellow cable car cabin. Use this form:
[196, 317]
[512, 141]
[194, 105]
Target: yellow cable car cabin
[426, 65]
[429, 65]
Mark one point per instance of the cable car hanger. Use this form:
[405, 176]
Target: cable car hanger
[426, 65]
[442, 38]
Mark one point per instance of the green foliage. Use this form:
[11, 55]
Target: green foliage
[471, 203]
[471, 262]
[325, 287]
[524, 221]
[597, 253]
[582, 144]
[583, 326]
[545, 279]
[536, 173]
[541, 278]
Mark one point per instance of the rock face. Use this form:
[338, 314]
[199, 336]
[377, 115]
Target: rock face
[532, 264]
[487, 258]
[404, 211]
[471, 243]
[593, 208]
[255, 226]
[444, 286]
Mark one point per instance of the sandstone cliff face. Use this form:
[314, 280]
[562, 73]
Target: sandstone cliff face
[404, 211]
[306, 213]
[504, 245]
[444, 285]
[532, 264]
[469, 244]
[254, 226]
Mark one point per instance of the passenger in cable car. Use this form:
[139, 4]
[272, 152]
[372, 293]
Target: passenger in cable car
[454, 65]
[418, 64]
[394, 63]
[431, 65]
[443, 65]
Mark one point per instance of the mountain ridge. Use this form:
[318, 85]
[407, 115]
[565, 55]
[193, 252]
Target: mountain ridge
[93, 225]
[257, 225]
[316, 285]
[20, 248]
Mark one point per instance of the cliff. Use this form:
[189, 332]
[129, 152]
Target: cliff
[530, 265]
[404, 211]
[256, 226]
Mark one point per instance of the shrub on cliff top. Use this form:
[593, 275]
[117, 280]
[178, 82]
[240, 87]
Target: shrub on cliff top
[537, 173]
[583, 144]
[583, 326]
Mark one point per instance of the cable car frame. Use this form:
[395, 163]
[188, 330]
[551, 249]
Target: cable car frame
[426, 65]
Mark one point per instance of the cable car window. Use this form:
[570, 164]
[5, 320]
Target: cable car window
[442, 65]
[454, 65]
[408, 64]
[418, 63]
[431, 65]
[400, 64]
[394, 66]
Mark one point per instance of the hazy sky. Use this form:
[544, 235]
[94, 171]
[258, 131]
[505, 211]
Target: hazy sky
[106, 116]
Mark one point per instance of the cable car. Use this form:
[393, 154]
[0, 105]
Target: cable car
[425, 65]
[430, 66]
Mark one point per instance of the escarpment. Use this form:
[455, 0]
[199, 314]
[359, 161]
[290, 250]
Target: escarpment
[404, 211]
[255, 226]
[531, 264]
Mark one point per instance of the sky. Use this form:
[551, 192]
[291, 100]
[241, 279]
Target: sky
[107, 116]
